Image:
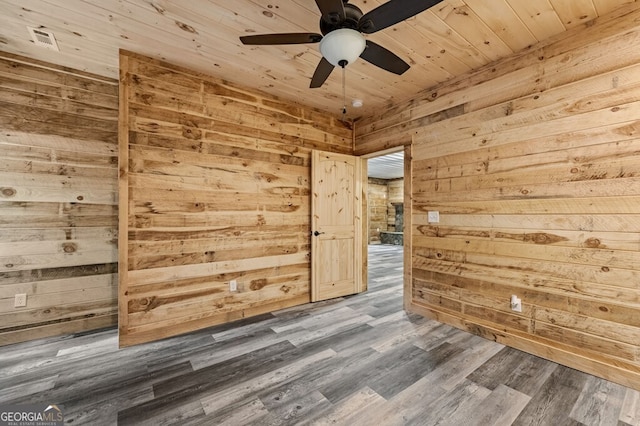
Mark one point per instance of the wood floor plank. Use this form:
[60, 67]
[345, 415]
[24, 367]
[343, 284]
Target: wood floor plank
[183, 414]
[458, 405]
[225, 400]
[103, 408]
[399, 332]
[456, 369]
[246, 366]
[327, 333]
[515, 369]
[242, 414]
[402, 375]
[501, 407]
[599, 403]
[555, 400]
[369, 373]
[17, 392]
[355, 360]
[321, 375]
[242, 344]
[630, 412]
[293, 412]
[349, 410]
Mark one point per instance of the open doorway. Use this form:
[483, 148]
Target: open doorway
[386, 199]
[386, 221]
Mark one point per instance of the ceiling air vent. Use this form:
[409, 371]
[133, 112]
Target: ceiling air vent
[43, 38]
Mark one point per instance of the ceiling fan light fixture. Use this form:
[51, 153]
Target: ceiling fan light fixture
[342, 45]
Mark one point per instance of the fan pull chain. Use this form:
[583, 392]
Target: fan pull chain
[344, 93]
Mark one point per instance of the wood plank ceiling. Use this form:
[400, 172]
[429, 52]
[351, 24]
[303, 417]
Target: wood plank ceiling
[448, 40]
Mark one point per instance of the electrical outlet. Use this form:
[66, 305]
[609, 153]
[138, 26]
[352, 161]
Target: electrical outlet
[516, 303]
[20, 300]
[433, 217]
[233, 285]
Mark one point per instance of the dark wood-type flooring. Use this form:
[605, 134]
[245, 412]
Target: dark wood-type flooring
[358, 360]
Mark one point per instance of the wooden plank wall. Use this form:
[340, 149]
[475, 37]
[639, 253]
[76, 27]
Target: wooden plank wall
[378, 195]
[58, 199]
[396, 195]
[215, 186]
[534, 165]
[382, 193]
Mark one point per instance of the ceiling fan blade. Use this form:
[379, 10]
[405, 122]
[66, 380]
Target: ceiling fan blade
[284, 38]
[392, 12]
[332, 10]
[323, 70]
[383, 58]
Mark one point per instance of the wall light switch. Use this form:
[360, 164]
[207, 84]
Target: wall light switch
[233, 285]
[516, 303]
[20, 300]
[433, 217]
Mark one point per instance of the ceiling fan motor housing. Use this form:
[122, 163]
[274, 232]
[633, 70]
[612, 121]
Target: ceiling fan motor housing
[352, 18]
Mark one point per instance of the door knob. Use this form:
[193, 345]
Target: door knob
[316, 233]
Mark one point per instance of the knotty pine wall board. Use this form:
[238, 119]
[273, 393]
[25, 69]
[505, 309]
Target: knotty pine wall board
[378, 196]
[536, 178]
[215, 186]
[58, 202]
[382, 193]
[396, 195]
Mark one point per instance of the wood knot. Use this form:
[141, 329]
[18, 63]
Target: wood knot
[603, 309]
[593, 243]
[69, 247]
[605, 269]
[185, 27]
[540, 238]
[285, 289]
[79, 198]
[158, 9]
[191, 133]
[8, 192]
[524, 192]
[258, 284]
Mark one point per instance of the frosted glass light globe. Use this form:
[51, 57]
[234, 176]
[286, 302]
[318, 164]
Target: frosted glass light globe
[342, 45]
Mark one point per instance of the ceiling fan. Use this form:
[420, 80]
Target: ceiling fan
[342, 26]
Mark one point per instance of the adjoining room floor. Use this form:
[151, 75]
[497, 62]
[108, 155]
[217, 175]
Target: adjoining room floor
[358, 360]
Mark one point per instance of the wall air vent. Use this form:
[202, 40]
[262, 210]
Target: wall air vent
[43, 38]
